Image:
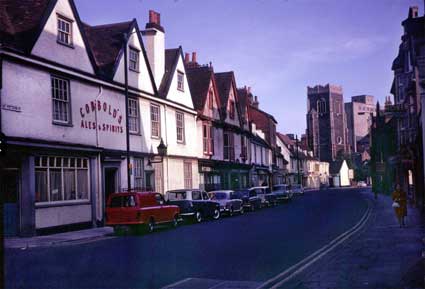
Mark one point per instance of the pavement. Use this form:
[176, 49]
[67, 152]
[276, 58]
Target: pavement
[58, 239]
[382, 256]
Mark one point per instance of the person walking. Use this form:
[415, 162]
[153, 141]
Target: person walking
[400, 205]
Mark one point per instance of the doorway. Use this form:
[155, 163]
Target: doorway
[110, 181]
[9, 191]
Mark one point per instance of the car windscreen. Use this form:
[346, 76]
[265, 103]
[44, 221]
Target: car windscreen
[242, 193]
[218, 196]
[176, 196]
[279, 188]
[116, 202]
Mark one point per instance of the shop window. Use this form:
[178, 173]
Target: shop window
[61, 179]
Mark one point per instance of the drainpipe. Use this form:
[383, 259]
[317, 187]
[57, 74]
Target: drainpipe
[166, 142]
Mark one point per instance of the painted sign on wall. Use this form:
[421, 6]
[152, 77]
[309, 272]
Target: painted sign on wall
[97, 107]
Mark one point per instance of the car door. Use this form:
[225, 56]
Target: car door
[235, 202]
[113, 211]
[197, 201]
[129, 209]
[160, 211]
[208, 204]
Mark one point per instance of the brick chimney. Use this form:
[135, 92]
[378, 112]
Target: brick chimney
[255, 103]
[186, 57]
[193, 63]
[154, 38]
[413, 12]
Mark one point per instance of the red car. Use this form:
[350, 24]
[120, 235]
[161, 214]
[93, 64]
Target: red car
[139, 210]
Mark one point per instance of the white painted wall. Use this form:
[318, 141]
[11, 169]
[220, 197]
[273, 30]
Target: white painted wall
[344, 174]
[155, 50]
[174, 94]
[141, 79]
[47, 47]
[57, 216]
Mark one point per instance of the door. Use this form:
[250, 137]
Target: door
[9, 190]
[110, 181]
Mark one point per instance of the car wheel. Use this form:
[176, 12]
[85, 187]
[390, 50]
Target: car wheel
[151, 226]
[242, 211]
[175, 221]
[216, 214]
[198, 217]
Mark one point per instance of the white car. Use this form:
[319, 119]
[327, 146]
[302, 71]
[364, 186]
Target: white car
[361, 184]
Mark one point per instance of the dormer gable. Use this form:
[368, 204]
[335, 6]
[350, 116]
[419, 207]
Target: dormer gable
[139, 72]
[61, 38]
[230, 110]
[174, 85]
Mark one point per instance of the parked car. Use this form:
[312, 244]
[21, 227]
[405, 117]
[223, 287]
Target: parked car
[361, 184]
[297, 189]
[267, 197]
[282, 192]
[194, 204]
[139, 210]
[228, 200]
[249, 198]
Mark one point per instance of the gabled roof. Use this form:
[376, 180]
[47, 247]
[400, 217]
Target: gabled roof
[106, 42]
[171, 61]
[20, 22]
[225, 83]
[285, 139]
[259, 117]
[335, 167]
[199, 79]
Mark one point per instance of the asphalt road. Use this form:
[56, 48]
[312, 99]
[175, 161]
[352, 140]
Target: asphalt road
[252, 247]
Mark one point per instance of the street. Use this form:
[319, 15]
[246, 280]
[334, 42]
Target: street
[253, 247]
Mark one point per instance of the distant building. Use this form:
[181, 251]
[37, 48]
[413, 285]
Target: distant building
[326, 124]
[359, 114]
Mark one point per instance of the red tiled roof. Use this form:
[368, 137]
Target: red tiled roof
[20, 22]
[224, 84]
[106, 42]
[285, 139]
[199, 79]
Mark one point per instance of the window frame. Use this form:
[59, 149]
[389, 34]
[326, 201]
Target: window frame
[156, 122]
[181, 127]
[187, 175]
[136, 117]
[68, 21]
[54, 98]
[51, 164]
[180, 82]
[211, 99]
[138, 172]
[230, 147]
[208, 139]
[321, 106]
[130, 60]
[232, 109]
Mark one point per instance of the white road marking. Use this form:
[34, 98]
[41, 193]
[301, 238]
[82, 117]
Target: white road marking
[176, 283]
[316, 255]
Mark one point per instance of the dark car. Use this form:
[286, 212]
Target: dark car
[228, 200]
[267, 197]
[139, 211]
[249, 198]
[194, 204]
[282, 192]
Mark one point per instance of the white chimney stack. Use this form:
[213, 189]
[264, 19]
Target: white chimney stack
[154, 39]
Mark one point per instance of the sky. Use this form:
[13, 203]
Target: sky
[279, 47]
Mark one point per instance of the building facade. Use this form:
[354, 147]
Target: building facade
[359, 113]
[63, 111]
[326, 123]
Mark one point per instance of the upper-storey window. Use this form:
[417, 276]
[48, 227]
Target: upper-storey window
[232, 109]
[210, 99]
[133, 59]
[155, 121]
[133, 116]
[64, 31]
[61, 101]
[228, 146]
[180, 126]
[321, 106]
[180, 80]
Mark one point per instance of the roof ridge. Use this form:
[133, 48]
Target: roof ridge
[109, 24]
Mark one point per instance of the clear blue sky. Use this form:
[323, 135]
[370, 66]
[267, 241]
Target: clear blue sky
[278, 47]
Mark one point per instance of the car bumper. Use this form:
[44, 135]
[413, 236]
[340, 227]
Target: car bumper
[187, 214]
